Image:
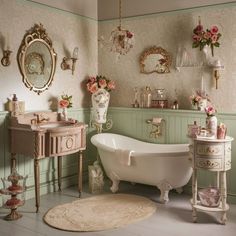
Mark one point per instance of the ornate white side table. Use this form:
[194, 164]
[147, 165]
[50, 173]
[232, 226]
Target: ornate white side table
[211, 155]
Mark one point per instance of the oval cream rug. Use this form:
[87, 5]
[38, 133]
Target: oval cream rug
[100, 212]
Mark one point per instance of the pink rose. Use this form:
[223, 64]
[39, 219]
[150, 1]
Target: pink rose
[214, 38]
[198, 29]
[129, 34]
[92, 80]
[214, 29]
[207, 35]
[196, 38]
[102, 83]
[89, 86]
[63, 103]
[93, 88]
[210, 110]
[111, 85]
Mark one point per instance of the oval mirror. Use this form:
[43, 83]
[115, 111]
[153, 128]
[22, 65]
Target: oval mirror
[37, 59]
[155, 59]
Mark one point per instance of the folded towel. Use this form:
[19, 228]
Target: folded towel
[156, 120]
[124, 156]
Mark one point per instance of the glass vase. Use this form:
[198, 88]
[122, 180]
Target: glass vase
[64, 114]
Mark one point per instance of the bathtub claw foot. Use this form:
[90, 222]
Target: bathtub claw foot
[179, 190]
[115, 186]
[164, 187]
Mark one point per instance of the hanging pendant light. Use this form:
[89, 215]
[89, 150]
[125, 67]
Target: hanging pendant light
[122, 40]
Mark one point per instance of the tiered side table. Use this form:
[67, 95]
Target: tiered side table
[211, 155]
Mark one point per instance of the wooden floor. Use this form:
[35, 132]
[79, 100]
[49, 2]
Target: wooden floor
[172, 219]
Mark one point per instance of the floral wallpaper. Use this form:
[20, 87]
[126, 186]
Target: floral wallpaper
[172, 31]
[66, 31]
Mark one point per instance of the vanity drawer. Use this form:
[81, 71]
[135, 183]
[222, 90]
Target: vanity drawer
[210, 150]
[209, 163]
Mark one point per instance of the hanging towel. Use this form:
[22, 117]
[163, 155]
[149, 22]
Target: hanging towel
[124, 156]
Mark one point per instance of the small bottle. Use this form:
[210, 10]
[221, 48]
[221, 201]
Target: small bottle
[149, 96]
[193, 130]
[136, 103]
[142, 98]
[145, 97]
[176, 105]
[15, 106]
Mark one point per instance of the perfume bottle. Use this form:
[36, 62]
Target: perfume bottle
[15, 106]
[147, 97]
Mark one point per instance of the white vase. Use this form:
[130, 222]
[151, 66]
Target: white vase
[64, 113]
[211, 125]
[202, 104]
[100, 102]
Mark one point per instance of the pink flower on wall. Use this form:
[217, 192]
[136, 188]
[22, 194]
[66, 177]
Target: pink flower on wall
[209, 37]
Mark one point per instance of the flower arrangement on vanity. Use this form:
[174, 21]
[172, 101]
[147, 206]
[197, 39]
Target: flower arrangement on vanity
[64, 103]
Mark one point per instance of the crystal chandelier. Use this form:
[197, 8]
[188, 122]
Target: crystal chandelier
[121, 40]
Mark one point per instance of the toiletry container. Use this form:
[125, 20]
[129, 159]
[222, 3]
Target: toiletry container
[149, 96]
[15, 106]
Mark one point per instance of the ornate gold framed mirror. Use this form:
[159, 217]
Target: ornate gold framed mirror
[155, 59]
[37, 59]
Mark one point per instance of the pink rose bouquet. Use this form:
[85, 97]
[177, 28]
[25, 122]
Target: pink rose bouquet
[209, 37]
[210, 110]
[94, 83]
[66, 101]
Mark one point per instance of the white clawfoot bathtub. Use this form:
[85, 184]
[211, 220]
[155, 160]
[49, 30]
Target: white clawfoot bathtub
[166, 166]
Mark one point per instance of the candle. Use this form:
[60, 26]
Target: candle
[202, 84]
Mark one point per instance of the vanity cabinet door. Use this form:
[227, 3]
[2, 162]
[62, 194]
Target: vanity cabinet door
[65, 142]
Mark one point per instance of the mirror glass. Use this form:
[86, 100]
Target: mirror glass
[155, 59]
[37, 60]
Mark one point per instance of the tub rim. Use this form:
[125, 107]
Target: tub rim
[105, 147]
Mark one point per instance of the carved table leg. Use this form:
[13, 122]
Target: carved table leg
[194, 192]
[59, 161]
[36, 180]
[80, 168]
[13, 161]
[223, 192]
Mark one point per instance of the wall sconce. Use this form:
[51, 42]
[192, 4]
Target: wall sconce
[6, 58]
[69, 63]
[217, 67]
